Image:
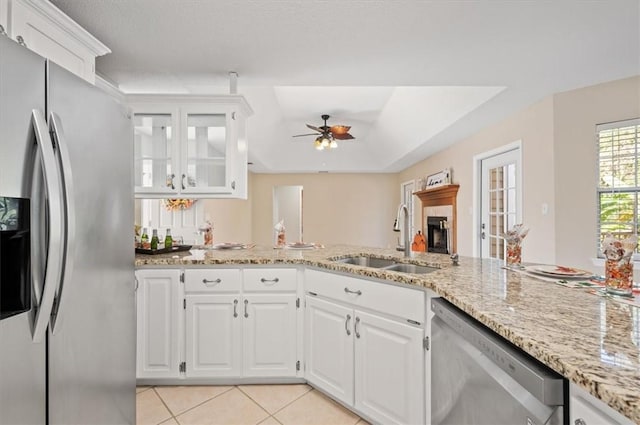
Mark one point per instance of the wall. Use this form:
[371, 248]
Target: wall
[576, 114]
[231, 219]
[533, 126]
[355, 209]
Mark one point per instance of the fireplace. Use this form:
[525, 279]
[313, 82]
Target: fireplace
[437, 237]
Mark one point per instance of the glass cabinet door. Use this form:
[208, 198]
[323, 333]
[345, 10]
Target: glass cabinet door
[153, 150]
[205, 165]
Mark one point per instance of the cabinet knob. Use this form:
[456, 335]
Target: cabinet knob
[21, 41]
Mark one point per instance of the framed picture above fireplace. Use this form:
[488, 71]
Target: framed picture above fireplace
[438, 179]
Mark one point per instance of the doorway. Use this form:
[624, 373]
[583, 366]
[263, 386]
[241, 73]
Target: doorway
[499, 178]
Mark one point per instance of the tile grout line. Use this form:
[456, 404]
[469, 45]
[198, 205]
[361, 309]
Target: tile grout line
[258, 404]
[278, 411]
[197, 405]
[165, 406]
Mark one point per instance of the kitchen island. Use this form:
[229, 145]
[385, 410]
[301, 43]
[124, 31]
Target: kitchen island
[591, 340]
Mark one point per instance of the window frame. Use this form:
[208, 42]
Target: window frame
[634, 190]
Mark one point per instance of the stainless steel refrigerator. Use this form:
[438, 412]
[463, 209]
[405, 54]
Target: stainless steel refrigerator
[67, 322]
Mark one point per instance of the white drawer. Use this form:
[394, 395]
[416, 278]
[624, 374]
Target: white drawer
[212, 280]
[270, 279]
[397, 301]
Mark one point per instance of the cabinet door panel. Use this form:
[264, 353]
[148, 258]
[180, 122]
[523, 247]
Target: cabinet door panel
[329, 348]
[158, 323]
[269, 334]
[213, 335]
[389, 370]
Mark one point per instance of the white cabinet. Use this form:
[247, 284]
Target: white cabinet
[159, 320]
[269, 334]
[587, 410]
[231, 333]
[388, 369]
[43, 28]
[190, 146]
[329, 348]
[213, 335]
[360, 349]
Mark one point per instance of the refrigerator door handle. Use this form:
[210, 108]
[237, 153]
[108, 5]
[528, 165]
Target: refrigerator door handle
[55, 224]
[68, 240]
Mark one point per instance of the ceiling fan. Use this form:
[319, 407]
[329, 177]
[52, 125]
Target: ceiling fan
[327, 136]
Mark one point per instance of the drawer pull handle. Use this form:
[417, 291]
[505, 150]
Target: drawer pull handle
[346, 324]
[269, 281]
[355, 327]
[349, 291]
[235, 308]
[246, 313]
[214, 282]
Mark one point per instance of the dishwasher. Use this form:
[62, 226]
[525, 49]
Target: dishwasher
[479, 378]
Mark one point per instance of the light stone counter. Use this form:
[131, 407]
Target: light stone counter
[591, 340]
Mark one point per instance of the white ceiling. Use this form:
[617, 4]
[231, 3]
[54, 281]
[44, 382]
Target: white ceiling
[411, 77]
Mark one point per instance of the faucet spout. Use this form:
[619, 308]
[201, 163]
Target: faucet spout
[403, 212]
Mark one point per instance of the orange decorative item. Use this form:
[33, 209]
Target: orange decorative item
[178, 204]
[419, 243]
[619, 265]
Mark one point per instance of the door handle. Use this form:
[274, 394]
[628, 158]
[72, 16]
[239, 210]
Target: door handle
[45, 167]
[182, 181]
[235, 308]
[246, 313]
[69, 218]
[355, 327]
[173, 186]
[346, 324]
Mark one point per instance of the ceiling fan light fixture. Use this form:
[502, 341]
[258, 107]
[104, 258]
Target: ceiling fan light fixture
[333, 144]
[325, 141]
[318, 144]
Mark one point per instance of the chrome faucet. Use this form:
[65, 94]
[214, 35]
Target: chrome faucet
[396, 228]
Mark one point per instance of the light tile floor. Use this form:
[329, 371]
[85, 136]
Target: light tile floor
[241, 405]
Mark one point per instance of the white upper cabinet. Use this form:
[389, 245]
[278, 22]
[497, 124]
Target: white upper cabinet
[43, 28]
[190, 146]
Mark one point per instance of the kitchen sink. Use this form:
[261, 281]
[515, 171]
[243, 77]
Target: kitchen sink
[367, 261]
[411, 268]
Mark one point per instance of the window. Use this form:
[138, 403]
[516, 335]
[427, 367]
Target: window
[618, 179]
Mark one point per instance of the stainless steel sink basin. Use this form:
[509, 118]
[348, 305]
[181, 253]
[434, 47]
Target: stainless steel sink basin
[410, 268]
[367, 261]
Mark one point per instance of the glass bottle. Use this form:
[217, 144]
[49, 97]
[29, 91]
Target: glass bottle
[144, 239]
[168, 240]
[154, 239]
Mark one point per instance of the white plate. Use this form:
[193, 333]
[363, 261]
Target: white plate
[228, 245]
[300, 245]
[558, 271]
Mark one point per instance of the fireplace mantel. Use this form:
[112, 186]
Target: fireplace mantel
[441, 196]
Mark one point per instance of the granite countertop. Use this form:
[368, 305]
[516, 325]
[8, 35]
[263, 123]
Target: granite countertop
[591, 340]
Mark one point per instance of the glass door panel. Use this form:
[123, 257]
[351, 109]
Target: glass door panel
[206, 151]
[153, 168]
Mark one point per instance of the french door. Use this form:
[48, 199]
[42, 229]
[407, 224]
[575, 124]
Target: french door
[500, 200]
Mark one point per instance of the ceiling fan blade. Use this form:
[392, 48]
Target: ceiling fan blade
[308, 134]
[314, 128]
[339, 129]
[345, 136]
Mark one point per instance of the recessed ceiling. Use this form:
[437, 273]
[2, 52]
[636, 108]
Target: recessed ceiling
[411, 77]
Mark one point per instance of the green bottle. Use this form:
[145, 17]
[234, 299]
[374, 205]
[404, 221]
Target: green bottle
[154, 239]
[168, 240]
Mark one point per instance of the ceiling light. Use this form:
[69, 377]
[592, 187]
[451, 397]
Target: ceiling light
[318, 144]
[333, 144]
[325, 141]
